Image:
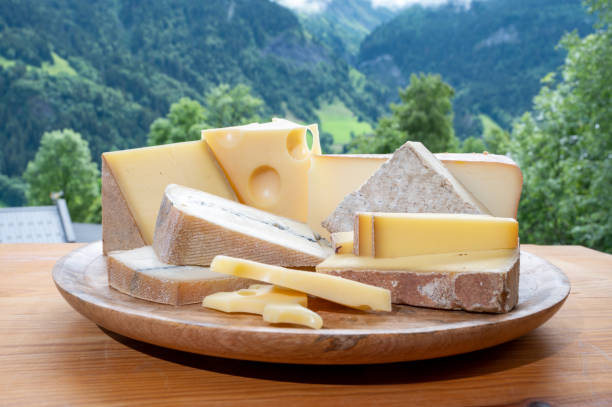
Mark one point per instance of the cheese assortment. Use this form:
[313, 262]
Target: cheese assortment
[370, 230]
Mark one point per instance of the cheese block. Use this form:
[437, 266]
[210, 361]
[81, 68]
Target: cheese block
[412, 180]
[479, 281]
[267, 164]
[133, 184]
[254, 299]
[331, 178]
[342, 242]
[292, 314]
[194, 226]
[495, 180]
[411, 234]
[331, 288]
[139, 273]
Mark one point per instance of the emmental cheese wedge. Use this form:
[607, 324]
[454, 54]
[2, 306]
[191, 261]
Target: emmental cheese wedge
[194, 226]
[292, 314]
[133, 184]
[342, 242]
[267, 164]
[331, 178]
[411, 234]
[479, 281]
[412, 180]
[254, 299]
[139, 273]
[331, 288]
[495, 180]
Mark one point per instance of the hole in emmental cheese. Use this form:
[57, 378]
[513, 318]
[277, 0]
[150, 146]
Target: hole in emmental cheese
[296, 144]
[265, 186]
[246, 293]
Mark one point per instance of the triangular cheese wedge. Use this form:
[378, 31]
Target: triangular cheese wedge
[413, 180]
[194, 226]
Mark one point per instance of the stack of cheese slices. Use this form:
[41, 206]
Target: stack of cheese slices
[195, 221]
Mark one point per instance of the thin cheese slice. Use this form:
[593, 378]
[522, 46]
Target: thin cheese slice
[331, 178]
[411, 234]
[412, 180]
[194, 226]
[267, 164]
[133, 184]
[335, 289]
[292, 314]
[254, 299]
[480, 281]
[342, 242]
[139, 273]
[495, 180]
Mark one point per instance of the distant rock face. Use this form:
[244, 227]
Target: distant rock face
[384, 69]
[297, 50]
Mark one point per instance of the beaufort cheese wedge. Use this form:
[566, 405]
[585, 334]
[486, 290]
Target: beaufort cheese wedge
[133, 184]
[479, 281]
[292, 314]
[411, 234]
[412, 180]
[194, 226]
[267, 164]
[139, 273]
[331, 288]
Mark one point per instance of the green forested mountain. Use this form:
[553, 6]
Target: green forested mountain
[108, 68]
[494, 53]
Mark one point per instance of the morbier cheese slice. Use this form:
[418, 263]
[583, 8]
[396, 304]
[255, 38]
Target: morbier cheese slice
[194, 226]
[411, 234]
[495, 180]
[267, 164]
[481, 281]
[412, 180]
[335, 289]
[292, 314]
[139, 273]
[133, 184]
[331, 178]
[254, 299]
[342, 242]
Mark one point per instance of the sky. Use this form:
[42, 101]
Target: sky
[315, 6]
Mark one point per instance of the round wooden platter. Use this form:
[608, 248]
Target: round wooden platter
[348, 337]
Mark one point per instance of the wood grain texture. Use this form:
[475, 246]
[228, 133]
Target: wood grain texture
[51, 355]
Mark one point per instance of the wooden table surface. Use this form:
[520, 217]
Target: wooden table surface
[51, 355]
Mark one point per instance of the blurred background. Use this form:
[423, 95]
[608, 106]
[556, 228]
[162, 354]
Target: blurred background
[531, 79]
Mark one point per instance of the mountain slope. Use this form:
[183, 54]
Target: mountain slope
[494, 53]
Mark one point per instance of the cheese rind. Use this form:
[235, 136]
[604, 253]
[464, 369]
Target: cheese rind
[141, 274]
[254, 299]
[267, 164]
[134, 181]
[292, 314]
[194, 226]
[412, 180]
[411, 234]
[495, 180]
[333, 176]
[331, 288]
[342, 242]
[479, 281]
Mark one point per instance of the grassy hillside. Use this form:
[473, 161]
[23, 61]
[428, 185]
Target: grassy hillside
[336, 119]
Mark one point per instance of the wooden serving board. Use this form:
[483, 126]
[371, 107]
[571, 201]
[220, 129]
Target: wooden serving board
[348, 337]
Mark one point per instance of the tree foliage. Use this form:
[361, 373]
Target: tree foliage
[565, 146]
[12, 191]
[425, 114]
[225, 107]
[63, 163]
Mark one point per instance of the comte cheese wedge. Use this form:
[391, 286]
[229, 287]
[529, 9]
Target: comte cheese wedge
[267, 164]
[412, 234]
[331, 288]
[479, 281]
[139, 273]
[133, 184]
[194, 226]
[412, 180]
